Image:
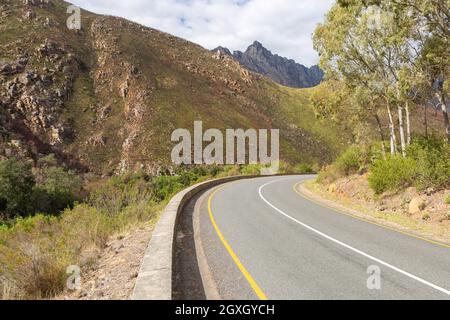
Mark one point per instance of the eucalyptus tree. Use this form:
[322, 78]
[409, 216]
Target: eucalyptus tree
[432, 29]
[429, 40]
[356, 107]
[351, 44]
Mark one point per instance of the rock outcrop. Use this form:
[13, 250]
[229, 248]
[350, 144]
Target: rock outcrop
[281, 70]
[107, 98]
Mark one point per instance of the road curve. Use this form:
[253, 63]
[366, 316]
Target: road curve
[259, 239]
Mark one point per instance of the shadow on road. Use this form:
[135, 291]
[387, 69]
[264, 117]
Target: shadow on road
[187, 282]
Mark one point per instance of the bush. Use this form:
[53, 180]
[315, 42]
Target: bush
[16, 187]
[118, 192]
[432, 157]
[251, 169]
[58, 190]
[447, 199]
[352, 161]
[392, 174]
[166, 186]
[303, 168]
[427, 165]
[35, 251]
[349, 162]
[50, 189]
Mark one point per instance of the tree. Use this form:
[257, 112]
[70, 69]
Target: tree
[58, 190]
[382, 46]
[16, 187]
[334, 101]
[360, 45]
[431, 20]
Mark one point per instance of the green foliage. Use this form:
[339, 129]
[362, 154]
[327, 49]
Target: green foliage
[166, 186]
[58, 190]
[16, 187]
[49, 189]
[250, 170]
[349, 162]
[119, 192]
[354, 160]
[36, 250]
[432, 158]
[382, 50]
[427, 165]
[447, 199]
[392, 174]
[303, 168]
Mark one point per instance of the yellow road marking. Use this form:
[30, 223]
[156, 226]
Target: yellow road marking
[366, 220]
[235, 258]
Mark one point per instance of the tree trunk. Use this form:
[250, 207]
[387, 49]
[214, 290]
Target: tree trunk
[393, 140]
[425, 108]
[380, 130]
[445, 113]
[401, 129]
[408, 124]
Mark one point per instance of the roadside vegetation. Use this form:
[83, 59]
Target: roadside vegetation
[52, 218]
[385, 61]
[387, 67]
[425, 166]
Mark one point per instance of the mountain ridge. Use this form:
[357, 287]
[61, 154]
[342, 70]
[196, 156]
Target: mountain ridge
[106, 98]
[279, 69]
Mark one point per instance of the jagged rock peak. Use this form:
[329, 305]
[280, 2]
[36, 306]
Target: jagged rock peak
[282, 70]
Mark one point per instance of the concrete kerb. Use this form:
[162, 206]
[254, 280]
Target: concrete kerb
[154, 281]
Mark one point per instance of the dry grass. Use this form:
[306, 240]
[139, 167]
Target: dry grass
[35, 252]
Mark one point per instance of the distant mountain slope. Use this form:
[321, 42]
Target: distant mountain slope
[107, 98]
[281, 70]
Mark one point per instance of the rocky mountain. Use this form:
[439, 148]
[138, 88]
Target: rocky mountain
[106, 98]
[281, 70]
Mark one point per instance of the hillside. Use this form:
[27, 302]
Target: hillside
[279, 69]
[106, 98]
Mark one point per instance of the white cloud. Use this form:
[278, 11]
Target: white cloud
[283, 26]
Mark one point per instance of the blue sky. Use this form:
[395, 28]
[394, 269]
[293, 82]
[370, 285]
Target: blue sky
[283, 26]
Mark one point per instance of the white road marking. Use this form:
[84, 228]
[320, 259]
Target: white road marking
[447, 292]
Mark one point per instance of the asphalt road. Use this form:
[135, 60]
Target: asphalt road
[259, 239]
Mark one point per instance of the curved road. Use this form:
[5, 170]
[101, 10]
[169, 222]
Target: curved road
[259, 238]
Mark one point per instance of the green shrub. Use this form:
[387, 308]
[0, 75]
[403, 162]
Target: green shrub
[165, 186]
[349, 162]
[118, 192]
[352, 161]
[58, 190]
[432, 158]
[251, 169]
[392, 174]
[49, 189]
[447, 199]
[427, 165]
[35, 251]
[16, 187]
[303, 168]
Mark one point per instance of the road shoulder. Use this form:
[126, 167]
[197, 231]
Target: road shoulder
[393, 221]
